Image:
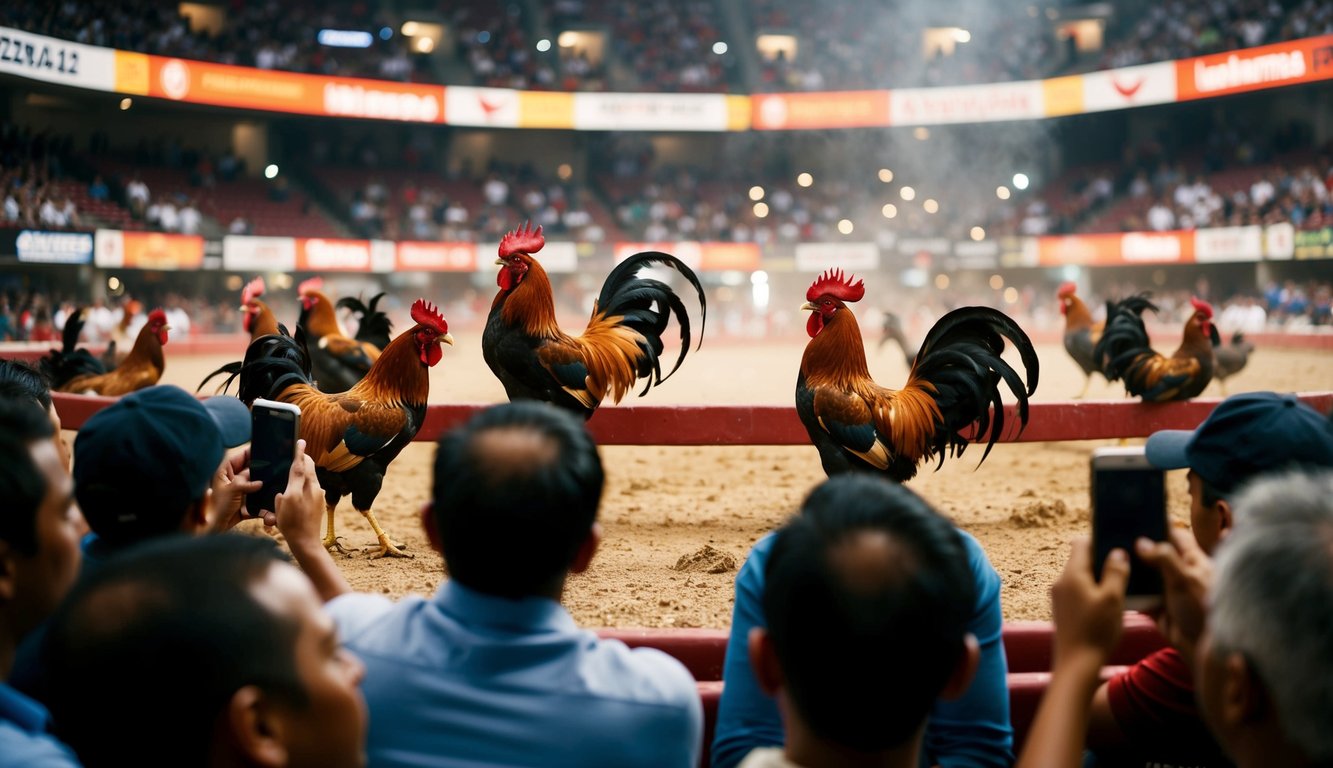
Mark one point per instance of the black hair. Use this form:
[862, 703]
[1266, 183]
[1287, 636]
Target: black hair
[1209, 493]
[865, 652]
[22, 487]
[21, 380]
[158, 640]
[511, 523]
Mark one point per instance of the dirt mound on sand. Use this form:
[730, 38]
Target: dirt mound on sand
[705, 560]
[1041, 514]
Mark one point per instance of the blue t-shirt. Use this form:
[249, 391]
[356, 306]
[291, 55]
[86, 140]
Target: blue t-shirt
[25, 741]
[969, 732]
[467, 679]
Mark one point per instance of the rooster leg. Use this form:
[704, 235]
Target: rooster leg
[388, 548]
[1083, 391]
[331, 541]
[1222, 385]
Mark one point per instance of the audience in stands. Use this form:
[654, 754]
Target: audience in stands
[39, 560]
[1147, 714]
[971, 729]
[215, 644]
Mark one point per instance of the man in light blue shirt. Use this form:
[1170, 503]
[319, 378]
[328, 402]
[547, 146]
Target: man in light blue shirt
[492, 670]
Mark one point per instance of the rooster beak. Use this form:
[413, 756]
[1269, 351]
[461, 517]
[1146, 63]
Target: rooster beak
[447, 339]
[500, 262]
[808, 307]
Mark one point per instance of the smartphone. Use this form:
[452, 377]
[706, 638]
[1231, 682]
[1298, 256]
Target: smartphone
[1128, 502]
[274, 430]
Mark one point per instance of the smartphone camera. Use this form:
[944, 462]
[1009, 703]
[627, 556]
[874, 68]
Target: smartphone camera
[274, 430]
[1128, 502]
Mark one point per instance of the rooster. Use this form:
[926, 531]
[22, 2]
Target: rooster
[893, 329]
[1081, 334]
[1124, 353]
[954, 382]
[373, 326]
[535, 360]
[73, 369]
[120, 335]
[354, 435]
[1231, 359]
[338, 361]
[256, 317]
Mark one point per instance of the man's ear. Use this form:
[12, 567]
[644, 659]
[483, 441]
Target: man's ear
[1244, 697]
[8, 587]
[1225, 518]
[966, 669]
[583, 558]
[429, 526]
[764, 662]
[196, 516]
[255, 729]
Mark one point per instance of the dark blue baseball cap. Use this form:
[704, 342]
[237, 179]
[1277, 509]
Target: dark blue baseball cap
[140, 462]
[1247, 435]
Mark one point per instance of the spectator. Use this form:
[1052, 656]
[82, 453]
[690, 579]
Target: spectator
[168, 215]
[97, 189]
[1160, 216]
[190, 218]
[136, 192]
[228, 643]
[493, 670]
[973, 730]
[861, 563]
[1147, 714]
[39, 553]
[238, 226]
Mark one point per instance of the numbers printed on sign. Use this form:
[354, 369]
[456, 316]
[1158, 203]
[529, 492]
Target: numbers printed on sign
[66, 62]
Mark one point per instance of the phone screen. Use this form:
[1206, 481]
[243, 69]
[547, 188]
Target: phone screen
[273, 435]
[1127, 504]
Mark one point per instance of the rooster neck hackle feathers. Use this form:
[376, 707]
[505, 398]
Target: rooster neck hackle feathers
[398, 376]
[836, 357]
[530, 305]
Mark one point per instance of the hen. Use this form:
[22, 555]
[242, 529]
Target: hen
[536, 360]
[858, 425]
[354, 435]
[1081, 334]
[1124, 352]
[338, 361]
[1231, 359]
[74, 369]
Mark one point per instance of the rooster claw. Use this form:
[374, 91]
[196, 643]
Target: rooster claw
[336, 543]
[388, 548]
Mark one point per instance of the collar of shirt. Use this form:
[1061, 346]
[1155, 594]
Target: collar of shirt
[29, 715]
[521, 616]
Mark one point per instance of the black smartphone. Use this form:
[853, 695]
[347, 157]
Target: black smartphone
[1128, 502]
[274, 430]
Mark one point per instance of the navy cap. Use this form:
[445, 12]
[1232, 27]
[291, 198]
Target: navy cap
[1247, 435]
[139, 462]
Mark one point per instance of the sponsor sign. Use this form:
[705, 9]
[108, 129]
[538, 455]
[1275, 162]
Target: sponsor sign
[38, 247]
[560, 258]
[245, 253]
[1252, 69]
[851, 257]
[1229, 244]
[114, 249]
[1057, 251]
[1129, 87]
[1317, 244]
[967, 104]
[1279, 241]
[650, 111]
[495, 107]
[1063, 95]
[968, 254]
[38, 57]
[545, 109]
[935, 246]
[437, 257]
[833, 109]
[704, 257]
[314, 254]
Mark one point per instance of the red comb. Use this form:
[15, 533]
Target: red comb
[157, 316]
[253, 290]
[310, 286]
[1066, 290]
[522, 240]
[1202, 307]
[425, 313]
[834, 283]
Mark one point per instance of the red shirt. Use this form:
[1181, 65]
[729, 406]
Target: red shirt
[1153, 701]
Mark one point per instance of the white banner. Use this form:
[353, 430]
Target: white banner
[935, 246]
[35, 246]
[494, 107]
[1023, 100]
[559, 257]
[650, 111]
[1228, 244]
[244, 253]
[1279, 241]
[817, 257]
[56, 61]
[109, 250]
[1129, 87]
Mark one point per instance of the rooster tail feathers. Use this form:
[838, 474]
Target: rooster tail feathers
[373, 326]
[272, 364]
[69, 336]
[61, 366]
[647, 305]
[1124, 338]
[232, 369]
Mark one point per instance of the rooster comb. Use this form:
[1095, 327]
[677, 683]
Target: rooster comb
[157, 316]
[522, 240]
[425, 313]
[310, 286]
[1202, 307]
[253, 290]
[1066, 290]
[838, 285]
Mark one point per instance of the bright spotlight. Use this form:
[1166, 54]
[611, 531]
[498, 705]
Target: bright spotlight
[270, 171]
[889, 210]
[760, 210]
[113, 283]
[719, 47]
[921, 133]
[756, 192]
[978, 234]
[931, 205]
[805, 180]
[1021, 181]
[1011, 295]
[1002, 192]
[942, 281]
[845, 226]
[996, 282]
[126, 103]
[543, 45]
[885, 175]
[410, 28]
[962, 35]
[907, 193]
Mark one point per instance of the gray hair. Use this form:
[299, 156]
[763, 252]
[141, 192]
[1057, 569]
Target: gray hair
[1272, 600]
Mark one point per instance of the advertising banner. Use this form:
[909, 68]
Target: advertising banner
[1129, 87]
[245, 253]
[704, 257]
[1252, 69]
[967, 104]
[1279, 241]
[832, 109]
[437, 257]
[38, 57]
[1317, 244]
[491, 107]
[114, 249]
[651, 111]
[850, 257]
[38, 247]
[1229, 244]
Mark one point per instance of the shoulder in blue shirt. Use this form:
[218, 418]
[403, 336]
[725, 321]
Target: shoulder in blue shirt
[24, 737]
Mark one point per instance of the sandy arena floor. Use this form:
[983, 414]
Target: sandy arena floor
[679, 521]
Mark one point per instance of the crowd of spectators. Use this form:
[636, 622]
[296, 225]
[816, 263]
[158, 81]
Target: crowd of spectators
[495, 43]
[32, 167]
[1177, 29]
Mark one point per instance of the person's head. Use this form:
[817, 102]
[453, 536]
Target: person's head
[867, 575]
[22, 381]
[143, 465]
[39, 527]
[1245, 436]
[1263, 665]
[515, 501]
[225, 648]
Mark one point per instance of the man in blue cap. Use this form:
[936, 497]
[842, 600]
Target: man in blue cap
[1147, 714]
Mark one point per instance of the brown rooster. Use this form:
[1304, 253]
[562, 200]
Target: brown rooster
[858, 425]
[256, 318]
[353, 436]
[1231, 359]
[120, 335]
[74, 369]
[1081, 334]
[338, 361]
[1124, 352]
[535, 360]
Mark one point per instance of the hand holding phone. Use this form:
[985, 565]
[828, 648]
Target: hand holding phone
[275, 428]
[1128, 503]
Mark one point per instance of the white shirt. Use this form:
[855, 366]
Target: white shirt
[190, 219]
[1160, 218]
[137, 190]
